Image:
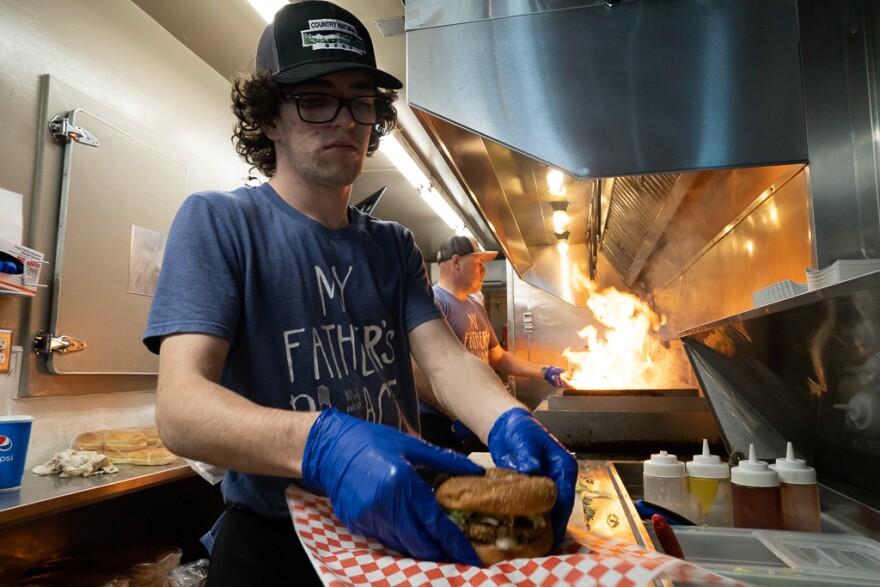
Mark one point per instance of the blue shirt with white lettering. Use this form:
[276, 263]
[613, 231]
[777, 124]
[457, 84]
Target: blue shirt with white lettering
[315, 317]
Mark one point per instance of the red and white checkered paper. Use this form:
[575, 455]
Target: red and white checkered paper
[345, 559]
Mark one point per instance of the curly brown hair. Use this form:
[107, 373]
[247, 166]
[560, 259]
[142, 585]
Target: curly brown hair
[256, 100]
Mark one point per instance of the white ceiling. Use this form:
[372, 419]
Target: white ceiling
[224, 34]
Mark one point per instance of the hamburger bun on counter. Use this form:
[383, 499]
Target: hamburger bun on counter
[503, 514]
[91, 440]
[136, 446]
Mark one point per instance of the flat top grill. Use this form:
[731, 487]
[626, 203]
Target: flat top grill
[692, 392]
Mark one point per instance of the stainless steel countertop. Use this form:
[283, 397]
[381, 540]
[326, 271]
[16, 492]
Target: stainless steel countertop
[42, 496]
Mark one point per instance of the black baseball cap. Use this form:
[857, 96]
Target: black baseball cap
[313, 38]
[461, 246]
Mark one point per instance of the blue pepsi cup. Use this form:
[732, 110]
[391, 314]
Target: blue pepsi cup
[15, 433]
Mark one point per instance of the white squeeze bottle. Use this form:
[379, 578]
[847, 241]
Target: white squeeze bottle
[708, 482]
[800, 494]
[665, 482]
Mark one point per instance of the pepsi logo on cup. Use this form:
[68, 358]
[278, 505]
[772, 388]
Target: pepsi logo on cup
[15, 432]
[5, 446]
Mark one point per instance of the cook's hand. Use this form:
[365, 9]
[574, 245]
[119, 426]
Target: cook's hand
[367, 471]
[518, 441]
[553, 376]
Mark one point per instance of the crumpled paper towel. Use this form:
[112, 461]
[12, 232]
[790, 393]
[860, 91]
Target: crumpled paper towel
[76, 463]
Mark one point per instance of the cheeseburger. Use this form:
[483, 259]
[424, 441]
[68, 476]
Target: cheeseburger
[503, 514]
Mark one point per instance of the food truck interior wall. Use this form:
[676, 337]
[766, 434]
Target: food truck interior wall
[116, 54]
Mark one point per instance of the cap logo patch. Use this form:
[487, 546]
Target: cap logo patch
[329, 33]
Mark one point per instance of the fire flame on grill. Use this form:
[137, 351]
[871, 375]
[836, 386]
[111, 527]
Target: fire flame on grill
[628, 353]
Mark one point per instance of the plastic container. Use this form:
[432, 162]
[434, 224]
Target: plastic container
[756, 495]
[800, 493]
[777, 558]
[665, 483]
[708, 483]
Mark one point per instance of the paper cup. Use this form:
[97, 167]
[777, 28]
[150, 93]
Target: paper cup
[15, 433]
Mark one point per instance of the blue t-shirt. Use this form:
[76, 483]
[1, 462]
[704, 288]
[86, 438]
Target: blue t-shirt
[314, 317]
[470, 322]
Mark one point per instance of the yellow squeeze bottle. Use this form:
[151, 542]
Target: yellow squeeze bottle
[708, 483]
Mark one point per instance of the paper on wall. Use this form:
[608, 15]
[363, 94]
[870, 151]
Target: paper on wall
[11, 223]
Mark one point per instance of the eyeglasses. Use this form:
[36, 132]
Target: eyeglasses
[316, 108]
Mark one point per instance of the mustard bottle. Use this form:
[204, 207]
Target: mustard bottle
[708, 483]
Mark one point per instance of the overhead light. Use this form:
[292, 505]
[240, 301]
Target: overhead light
[555, 182]
[267, 8]
[560, 220]
[560, 216]
[404, 162]
[439, 205]
[562, 242]
[392, 148]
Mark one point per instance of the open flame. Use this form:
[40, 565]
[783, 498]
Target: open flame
[627, 353]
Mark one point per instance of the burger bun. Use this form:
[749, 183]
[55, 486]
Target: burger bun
[500, 492]
[490, 554]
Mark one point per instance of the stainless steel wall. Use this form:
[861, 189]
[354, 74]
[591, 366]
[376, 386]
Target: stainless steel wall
[769, 241]
[840, 55]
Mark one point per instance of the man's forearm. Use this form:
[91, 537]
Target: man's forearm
[465, 386]
[511, 364]
[201, 420]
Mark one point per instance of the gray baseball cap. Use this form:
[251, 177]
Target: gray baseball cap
[461, 246]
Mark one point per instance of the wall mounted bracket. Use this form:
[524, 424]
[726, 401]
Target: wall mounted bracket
[47, 343]
[63, 130]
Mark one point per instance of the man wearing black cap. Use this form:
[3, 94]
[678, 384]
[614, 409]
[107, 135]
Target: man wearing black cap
[284, 320]
[462, 270]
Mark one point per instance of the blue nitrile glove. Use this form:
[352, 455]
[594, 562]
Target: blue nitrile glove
[518, 441]
[367, 471]
[462, 432]
[553, 376]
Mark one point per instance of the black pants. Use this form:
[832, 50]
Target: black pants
[252, 550]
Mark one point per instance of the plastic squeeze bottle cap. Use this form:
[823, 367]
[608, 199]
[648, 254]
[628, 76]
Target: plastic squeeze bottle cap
[707, 465]
[754, 473]
[794, 471]
[664, 464]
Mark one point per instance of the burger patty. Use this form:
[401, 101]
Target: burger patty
[519, 529]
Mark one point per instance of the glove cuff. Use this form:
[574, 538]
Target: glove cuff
[503, 420]
[312, 451]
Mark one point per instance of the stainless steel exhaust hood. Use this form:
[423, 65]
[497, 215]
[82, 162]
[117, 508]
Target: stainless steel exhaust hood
[642, 88]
